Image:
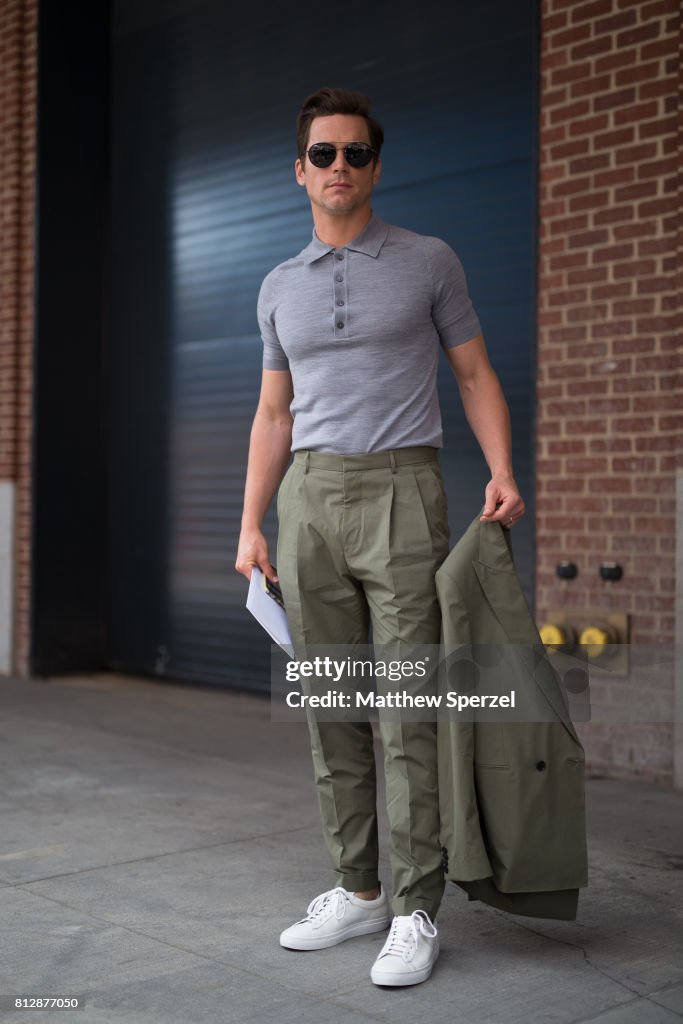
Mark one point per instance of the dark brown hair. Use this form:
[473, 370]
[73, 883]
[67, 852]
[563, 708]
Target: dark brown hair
[336, 101]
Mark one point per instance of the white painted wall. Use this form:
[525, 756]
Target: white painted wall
[7, 499]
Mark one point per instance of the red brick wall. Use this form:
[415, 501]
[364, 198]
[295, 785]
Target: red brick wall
[609, 399]
[17, 170]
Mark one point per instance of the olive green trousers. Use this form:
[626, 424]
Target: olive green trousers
[360, 540]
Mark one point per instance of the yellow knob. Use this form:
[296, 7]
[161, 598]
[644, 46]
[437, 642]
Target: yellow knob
[553, 636]
[594, 639]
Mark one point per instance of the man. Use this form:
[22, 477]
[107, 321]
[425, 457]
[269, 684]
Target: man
[352, 330]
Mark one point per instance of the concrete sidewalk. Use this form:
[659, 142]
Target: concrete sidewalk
[157, 837]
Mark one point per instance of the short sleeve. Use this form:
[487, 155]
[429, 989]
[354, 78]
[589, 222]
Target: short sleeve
[274, 357]
[453, 314]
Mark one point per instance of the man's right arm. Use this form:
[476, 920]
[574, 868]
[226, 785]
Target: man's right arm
[269, 452]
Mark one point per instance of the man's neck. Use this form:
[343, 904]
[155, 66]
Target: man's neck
[339, 231]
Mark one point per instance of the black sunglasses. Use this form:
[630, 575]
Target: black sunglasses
[356, 154]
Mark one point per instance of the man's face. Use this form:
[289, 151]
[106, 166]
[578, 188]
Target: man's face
[338, 189]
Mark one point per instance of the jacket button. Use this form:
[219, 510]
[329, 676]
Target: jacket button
[540, 766]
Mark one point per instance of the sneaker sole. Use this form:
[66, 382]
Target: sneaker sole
[362, 928]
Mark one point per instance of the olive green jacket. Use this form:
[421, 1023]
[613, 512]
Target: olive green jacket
[511, 793]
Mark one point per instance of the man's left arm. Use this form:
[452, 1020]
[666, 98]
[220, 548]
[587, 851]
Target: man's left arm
[488, 416]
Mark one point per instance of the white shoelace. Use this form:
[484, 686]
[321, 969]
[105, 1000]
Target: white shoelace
[405, 932]
[332, 901]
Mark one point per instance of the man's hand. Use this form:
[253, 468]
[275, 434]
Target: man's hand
[503, 502]
[252, 550]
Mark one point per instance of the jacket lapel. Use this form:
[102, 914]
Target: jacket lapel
[500, 585]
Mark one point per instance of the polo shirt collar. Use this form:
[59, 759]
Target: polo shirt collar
[369, 241]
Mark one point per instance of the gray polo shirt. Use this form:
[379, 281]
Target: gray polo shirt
[360, 329]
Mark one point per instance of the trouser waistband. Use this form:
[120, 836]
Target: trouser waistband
[370, 460]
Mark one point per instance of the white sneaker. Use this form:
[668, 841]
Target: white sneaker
[335, 916]
[409, 953]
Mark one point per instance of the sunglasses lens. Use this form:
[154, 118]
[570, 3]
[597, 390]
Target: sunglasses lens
[358, 155]
[321, 155]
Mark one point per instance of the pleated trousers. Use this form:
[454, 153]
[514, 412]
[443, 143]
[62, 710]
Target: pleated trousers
[360, 540]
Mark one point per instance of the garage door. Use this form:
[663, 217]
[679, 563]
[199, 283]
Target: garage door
[204, 203]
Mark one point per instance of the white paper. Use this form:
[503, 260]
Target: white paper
[268, 612]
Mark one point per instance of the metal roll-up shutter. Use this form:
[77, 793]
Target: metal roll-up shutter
[204, 204]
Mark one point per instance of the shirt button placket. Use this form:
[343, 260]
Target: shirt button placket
[339, 289]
